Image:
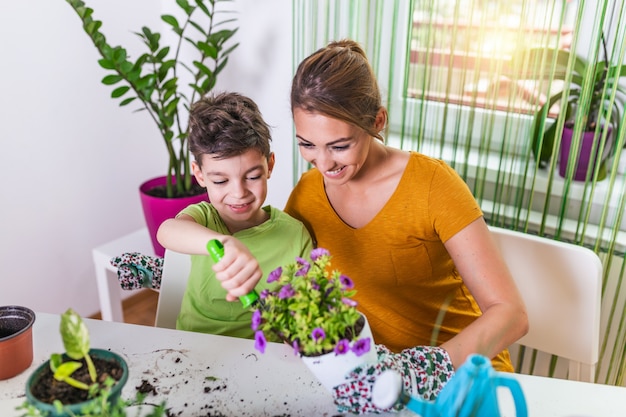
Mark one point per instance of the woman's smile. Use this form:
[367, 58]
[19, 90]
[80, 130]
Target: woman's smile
[334, 173]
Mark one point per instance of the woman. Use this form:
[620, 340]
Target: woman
[403, 226]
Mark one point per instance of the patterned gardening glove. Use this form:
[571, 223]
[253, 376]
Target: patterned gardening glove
[424, 369]
[136, 271]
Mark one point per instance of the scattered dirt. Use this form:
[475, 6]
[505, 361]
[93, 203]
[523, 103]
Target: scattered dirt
[146, 388]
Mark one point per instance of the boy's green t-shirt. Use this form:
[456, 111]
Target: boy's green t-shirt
[274, 243]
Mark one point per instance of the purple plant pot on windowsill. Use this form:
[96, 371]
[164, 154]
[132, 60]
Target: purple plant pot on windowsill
[586, 162]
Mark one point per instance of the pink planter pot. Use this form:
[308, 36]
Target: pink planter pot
[16, 340]
[156, 210]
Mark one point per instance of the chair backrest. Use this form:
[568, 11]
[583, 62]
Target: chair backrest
[561, 286]
[176, 268]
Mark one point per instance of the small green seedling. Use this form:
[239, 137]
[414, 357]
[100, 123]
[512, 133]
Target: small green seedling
[75, 337]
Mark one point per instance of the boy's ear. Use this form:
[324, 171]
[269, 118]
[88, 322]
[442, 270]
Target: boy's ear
[270, 164]
[197, 172]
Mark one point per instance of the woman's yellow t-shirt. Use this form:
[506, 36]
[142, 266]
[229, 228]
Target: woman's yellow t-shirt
[402, 272]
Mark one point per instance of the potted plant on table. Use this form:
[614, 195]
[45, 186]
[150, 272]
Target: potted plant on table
[311, 309]
[153, 81]
[82, 381]
[65, 384]
[593, 89]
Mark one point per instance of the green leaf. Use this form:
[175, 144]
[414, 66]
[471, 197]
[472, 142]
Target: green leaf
[203, 68]
[165, 68]
[218, 38]
[126, 67]
[56, 359]
[202, 6]
[74, 334]
[127, 101]
[162, 53]
[144, 83]
[64, 374]
[111, 79]
[220, 67]
[184, 4]
[170, 84]
[119, 55]
[199, 29]
[171, 20]
[120, 91]
[170, 109]
[208, 85]
[229, 50]
[207, 49]
[106, 64]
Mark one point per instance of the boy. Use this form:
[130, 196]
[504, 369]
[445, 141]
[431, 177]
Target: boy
[230, 142]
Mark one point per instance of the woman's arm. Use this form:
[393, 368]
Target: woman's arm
[504, 319]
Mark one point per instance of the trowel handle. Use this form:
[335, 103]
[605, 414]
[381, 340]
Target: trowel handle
[216, 250]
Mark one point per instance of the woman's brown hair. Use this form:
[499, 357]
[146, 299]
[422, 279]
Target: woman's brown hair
[338, 81]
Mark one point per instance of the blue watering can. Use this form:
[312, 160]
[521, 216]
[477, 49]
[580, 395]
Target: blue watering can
[471, 392]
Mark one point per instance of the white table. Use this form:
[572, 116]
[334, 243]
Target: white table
[248, 383]
[109, 290]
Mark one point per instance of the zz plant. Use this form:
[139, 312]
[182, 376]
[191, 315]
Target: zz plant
[153, 79]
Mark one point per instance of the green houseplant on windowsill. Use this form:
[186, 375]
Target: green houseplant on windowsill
[153, 83]
[593, 89]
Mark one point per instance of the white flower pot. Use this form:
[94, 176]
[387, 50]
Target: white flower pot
[331, 369]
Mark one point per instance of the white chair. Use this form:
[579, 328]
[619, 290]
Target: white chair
[561, 286]
[176, 268]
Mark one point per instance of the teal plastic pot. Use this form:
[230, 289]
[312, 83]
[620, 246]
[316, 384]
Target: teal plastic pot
[76, 409]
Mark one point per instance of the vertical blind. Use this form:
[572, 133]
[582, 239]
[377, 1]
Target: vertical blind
[466, 81]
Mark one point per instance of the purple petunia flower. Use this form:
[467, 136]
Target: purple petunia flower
[315, 285]
[256, 319]
[264, 294]
[318, 334]
[296, 348]
[304, 267]
[343, 347]
[348, 301]
[361, 346]
[286, 292]
[318, 253]
[275, 275]
[346, 282]
[259, 341]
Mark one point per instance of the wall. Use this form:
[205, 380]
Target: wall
[72, 159]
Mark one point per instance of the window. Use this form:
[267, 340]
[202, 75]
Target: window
[461, 50]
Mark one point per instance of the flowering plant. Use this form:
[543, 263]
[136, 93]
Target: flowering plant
[310, 308]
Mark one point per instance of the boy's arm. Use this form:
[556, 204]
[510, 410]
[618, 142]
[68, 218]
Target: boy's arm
[238, 271]
[182, 234]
